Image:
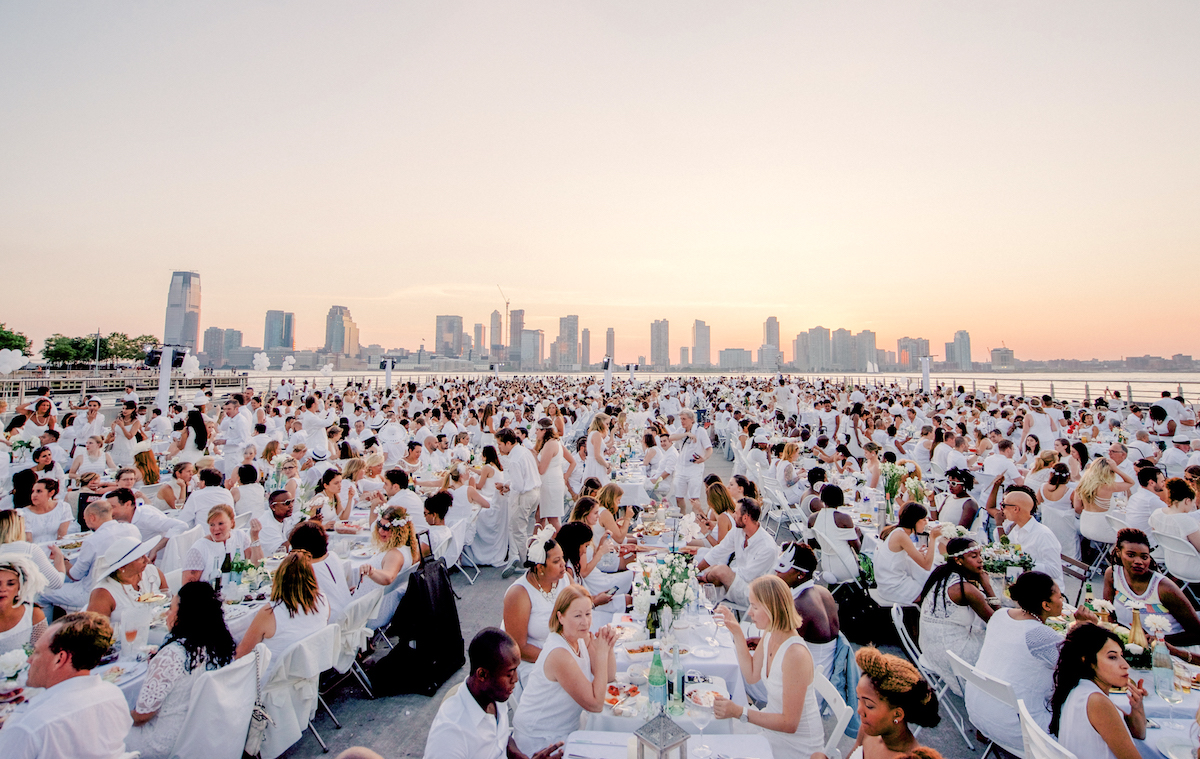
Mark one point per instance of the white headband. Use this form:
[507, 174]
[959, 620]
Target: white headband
[537, 544]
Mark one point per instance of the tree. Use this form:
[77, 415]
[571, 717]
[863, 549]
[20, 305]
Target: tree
[14, 340]
[60, 350]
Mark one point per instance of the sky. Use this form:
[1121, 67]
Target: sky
[1026, 171]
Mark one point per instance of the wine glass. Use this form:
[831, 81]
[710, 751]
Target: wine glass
[1172, 696]
[701, 716]
[711, 596]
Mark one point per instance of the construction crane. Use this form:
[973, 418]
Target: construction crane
[506, 301]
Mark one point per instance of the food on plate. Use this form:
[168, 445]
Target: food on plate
[702, 697]
[71, 545]
[151, 598]
[618, 692]
[114, 674]
[644, 648]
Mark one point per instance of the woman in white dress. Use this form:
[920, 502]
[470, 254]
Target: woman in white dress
[584, 559]
[529, 601]
[1086, 721]
[1038, 423]
[13, 543]
[901, 568]
[125, 429]
[1177, 518]
[129, 574]
[1093, 498]
[46, 518]
[173, 495]
[457, 481]
[396, 551]
[552, 467]
[891, 695]
[198, 641]
[297, 610]
[571, 675]
[954, 609]
[193, 438]
[204, 559]
[92, 458]
[596, 465]
[490, 546]
[21, 621]
[791, 720]
[1057, 512]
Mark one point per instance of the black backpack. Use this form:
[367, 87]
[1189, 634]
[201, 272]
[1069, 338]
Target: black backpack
[431, 647]
[862, 619]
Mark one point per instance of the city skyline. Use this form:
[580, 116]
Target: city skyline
[856, 166]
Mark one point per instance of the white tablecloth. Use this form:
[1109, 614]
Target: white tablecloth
[615, 745]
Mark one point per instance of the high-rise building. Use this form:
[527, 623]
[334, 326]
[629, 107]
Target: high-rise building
[909, 350]
[585, 347]
[1003, 359]
[516, 325]
[701, 344]
[610, 344]
[341, 333]
[568, 338]
[865, 357]
[951, 361]
[447, 341]
[497, 336]
[214, 346]
[769, 358]
[481, 346]
[280, 330]
[800, 358]
[962, 350]
[683, 356]
[820, 352]
[735, 358]
[841, 342]
[660, 343]
[233, 340]
[183, 310]
[532, 348]
[771, 333]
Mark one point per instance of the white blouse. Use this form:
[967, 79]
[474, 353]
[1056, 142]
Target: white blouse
[207, 555]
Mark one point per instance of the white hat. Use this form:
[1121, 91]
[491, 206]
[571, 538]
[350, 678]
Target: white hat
[1181, 438]
[124, 551]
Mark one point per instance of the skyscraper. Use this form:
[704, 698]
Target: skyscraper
[701, 342]
[800, 357]
[909, 350]
[480, 339]
[585, 347]
[771, 333]
[532, 347]
[233, 340]
[865, 355]
[568, 338]
[341, 333]
[820, 352]
[660, 343]
[962, 350]
[183, 310]
[516, 325]
[841, 342]
[447, 339]
[497, 336]
[214, 346]
[610, 344]
[280, 330]
[683, 356]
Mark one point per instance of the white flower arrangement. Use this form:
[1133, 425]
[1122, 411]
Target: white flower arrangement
[950, 530]
[1136, 605]
[1134, 649]
[1156, 623]
[891, 474]
[917, 489]
[13, 663]
[689, 529]
[1100, 604]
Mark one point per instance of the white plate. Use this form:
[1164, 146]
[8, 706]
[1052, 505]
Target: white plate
[643, 656]
[1176, 747]
[716, 687]
[703, 653]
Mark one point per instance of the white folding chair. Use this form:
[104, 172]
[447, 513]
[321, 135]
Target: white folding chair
[997, 689]
[178, 546]
[353, 635]
[174, 580]
[292, 694]
[1038, 743]
[939, 685]
[1183, 560]
[837, 705]
[242, 521]
[458, 534]
[222, 697]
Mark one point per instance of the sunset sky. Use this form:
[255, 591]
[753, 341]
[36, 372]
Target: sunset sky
[1027, 171]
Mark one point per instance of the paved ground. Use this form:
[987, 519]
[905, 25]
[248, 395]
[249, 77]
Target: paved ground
[397, 726]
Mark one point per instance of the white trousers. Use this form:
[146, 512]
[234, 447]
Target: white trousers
[520, 518]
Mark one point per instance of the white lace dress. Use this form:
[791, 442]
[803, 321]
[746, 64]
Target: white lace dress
[20, 634]
[946, 626]
[167, 690]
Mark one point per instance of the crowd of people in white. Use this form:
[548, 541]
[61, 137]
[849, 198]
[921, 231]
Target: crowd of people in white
[520, 473]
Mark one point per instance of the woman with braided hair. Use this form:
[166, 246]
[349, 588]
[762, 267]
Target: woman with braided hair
[954, 609]
[891, 695]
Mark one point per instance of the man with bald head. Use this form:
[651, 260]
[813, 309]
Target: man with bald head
[1014, 518]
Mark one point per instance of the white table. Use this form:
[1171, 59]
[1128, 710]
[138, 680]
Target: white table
[1155, 706]
[1149, 748]
[592, 744]
[130, 683]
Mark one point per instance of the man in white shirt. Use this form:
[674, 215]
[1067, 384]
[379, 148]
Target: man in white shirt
[525, 484]
[235, 434]
[1175, 458]
[90, 422]
[277, 522]
[956, 457]
[1150, 497]
[81, 573]
[695, 449]
[747, 544]
[1119, 454]
[1135, 422]
[472, 722]
[395, 489]
[149, 521]
[1142, 448]
[1000, 464]
[77, 715]
[209, 494]
[1035, 538]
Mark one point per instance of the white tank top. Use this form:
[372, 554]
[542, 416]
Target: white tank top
[1075, 731]
[540, 608]
[290, 630]
[546, 713]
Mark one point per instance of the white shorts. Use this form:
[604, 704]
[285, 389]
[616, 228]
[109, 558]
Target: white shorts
[739, 592]
[689, 486]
